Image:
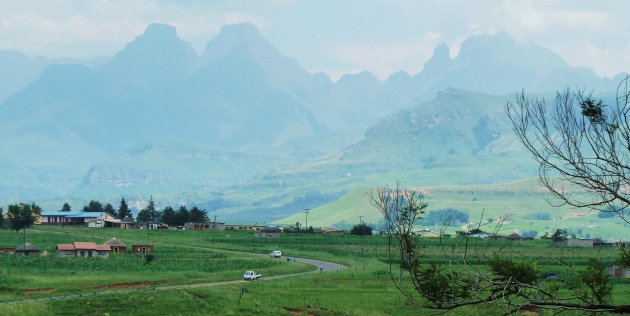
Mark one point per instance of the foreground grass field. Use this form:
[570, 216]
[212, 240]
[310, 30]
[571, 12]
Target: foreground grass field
[185, 257]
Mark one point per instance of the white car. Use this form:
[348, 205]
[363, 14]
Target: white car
[275, 254]
[251, 275]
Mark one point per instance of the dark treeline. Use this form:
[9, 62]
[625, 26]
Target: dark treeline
[150, 213]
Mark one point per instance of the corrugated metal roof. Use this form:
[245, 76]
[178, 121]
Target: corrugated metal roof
[65, 247]
[86, 215]
[115, 242]
[27, 247]
[60, 213]
[103, 248]
[82, 245]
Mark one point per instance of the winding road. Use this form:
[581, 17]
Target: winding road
[326, 266]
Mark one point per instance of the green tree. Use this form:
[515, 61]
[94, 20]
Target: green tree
[149, 258]
[169, 216]
[144, 216]
[1, 218]
[559, 235]
[361, 230]
[22, 216]
[198, 215]
[66, 207]
[183, 215]
[93, 206]
[109, 209]
[149, 213]
[123, 210]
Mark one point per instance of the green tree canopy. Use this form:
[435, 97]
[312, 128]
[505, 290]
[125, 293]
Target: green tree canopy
[1, 218]
[123, 210]
[169, 216]
[198, 215]
[361, 230]
[94, 206]
[183, 215]
[144, 216]
[559, 235]
[23, 215]
[66, 207]
[109, 209]
[149, 213]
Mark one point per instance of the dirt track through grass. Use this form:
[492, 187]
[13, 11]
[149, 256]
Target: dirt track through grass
[320, 267]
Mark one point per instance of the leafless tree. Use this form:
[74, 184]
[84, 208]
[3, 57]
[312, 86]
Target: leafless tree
[581, 144]
[469, 274]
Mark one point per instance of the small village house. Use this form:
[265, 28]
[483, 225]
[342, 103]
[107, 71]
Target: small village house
[103, 220]
[328, 231]
[126, 223]
[61, 218]
[116, 245]
[245, 227]
[142, 248]
[27, 249]
[83, 249]
[427, 233]
[573, 242]
[617, 271]
[91, 219]
[212, 226]
[268, 232]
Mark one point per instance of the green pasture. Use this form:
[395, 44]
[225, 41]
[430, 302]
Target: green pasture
[187, 257]
[40, 276]
[517, 201]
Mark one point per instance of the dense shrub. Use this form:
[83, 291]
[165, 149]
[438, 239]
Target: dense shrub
[361, 229]
[539, 216]
[440, 217]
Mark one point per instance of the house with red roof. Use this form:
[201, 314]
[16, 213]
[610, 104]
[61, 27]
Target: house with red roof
[83, 249]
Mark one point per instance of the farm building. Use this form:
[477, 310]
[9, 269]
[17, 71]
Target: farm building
[328, 231]
[27, 249]
[512, 236]
[152, 225]
[92, 219]
[142, 248]
[430, 234]
[116, 245]
[617, 271]
[83, 249]
[245, 227]
[213, 226]
[268, 232]
[103, 220]
[126, 223]
[575, 243]
[61, 218]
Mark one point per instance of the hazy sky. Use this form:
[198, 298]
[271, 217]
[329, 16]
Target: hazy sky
[334, 36]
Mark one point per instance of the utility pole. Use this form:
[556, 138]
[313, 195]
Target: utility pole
[306, 211]
[214, 227]
[362, 232]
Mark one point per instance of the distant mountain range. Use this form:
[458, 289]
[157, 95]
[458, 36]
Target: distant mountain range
[247, 131]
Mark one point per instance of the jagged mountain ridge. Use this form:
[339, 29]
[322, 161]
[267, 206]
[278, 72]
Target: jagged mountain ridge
[243, 96]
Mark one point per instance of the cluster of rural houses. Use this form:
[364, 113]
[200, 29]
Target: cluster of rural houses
[83, 249]
[97, 219]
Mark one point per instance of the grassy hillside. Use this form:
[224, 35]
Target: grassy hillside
[523, 202]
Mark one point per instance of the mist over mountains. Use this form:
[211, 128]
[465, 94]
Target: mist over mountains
[245, 130]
